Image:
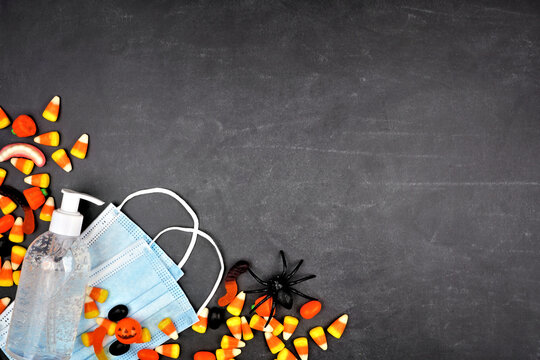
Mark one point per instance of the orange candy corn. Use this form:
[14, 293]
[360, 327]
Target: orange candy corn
[225, 354]
[236, 306]
[285, 354]
[39, 180]
[337, 328]
[3, 174]
[16, 277]
[61, 159]
[53, 108]
[50, 139]
[109, 325]
[81, 147]
[169, 350]
[4, 120]
[235, 326]
[274, 343]
[310, 309]
[7, 205]
[87, 338]
[147, 354]
[23, 165]
[247, 334]
[167, 326]
[17, 256]
[16, 234]
[229, 342]
[317, 334]
[6, 275]
[276, 326]
[301, 346]
[47, 209]
[289, 325]
[257, 323]
[201, 325]
[265, 308]
[204, 355]
[35, 197]
[97, 294]
[90, 308]
[4, 302]
[6, 223]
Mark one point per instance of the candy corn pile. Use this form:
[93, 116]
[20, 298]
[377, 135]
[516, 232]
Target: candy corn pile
[25, 157]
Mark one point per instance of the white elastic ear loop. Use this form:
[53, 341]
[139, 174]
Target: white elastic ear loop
[207, 237]
[184, 204]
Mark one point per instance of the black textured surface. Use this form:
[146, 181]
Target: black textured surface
[392, 145]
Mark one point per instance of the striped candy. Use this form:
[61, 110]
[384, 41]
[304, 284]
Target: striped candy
[229, 342]
[17, 256]
[201, 325]
[167, 326]
[247, 334]
[4, 120]
[236, 306]
[49, 139]
[81, 147]
[274, 343]
[289, 325]
[337, 328]
[169, 350]
[301, 346]
[317, 334]
[61, 159]
[23, 165]
[16, 234]
[39, 180]
[235, 326]
[53, 108]
[6, 275]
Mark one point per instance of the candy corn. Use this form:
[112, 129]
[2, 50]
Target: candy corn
[145, 335]
[107, 324]
[204, 355]
[257, 323]
[337, 328]
[301, 346]
[235, 326]
[225, 354]
[289, 325]
[16, 277]
[87, 338]
[147, 354]
[285, 354]
[61, 159]
[81, 147]
[16, 234]
[310, 309]
[90, 308]
[39, 180]
[7, 205]
[229, 342]
[201, 325]
[47, 209]
[6, 275]
[50, 139]
[2, 175]
[169, 350]
[4, 302]
[167, 326]
[6, 223]
[277, 326]
[97, 294]
[4, 120]
[51, 111]
[265, 308]
[35, 197]
[274, 343]
[23, 165]
[235, 307]
[17, 256]
[317, 334]
[247, 334]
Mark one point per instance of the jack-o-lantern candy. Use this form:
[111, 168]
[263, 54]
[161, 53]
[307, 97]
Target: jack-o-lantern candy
[128, 331]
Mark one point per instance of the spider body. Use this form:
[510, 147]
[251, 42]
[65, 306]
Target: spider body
[280, 288]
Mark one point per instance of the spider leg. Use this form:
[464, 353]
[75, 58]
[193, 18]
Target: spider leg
[294, 291]
[301, 280]
[295, 269]
[261, 302]
[272, 313]
[259, 280]
[284, 262]
[255, 291]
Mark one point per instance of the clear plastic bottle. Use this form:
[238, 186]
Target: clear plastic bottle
[51, 291]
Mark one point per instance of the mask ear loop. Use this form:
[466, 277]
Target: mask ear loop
[185, 205]
[207, 237]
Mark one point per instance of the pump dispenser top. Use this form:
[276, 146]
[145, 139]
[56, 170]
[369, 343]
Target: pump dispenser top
[68, 220]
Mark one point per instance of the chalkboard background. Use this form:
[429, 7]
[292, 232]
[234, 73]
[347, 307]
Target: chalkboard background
[392, 145]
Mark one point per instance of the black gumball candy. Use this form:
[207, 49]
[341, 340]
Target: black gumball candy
[216, 317]
[118, 312]
[117, 348]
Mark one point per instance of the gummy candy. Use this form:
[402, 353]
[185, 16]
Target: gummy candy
[337, 328]
[289, 325]
[317, 334]
[167, 326]
[230, 282]
[235, 326]
[23, 165]
[247, 334]
[6, 223]
[147, 354]
[23, 150]
[49, 139]
[229, 342]
[204, 355]
[118, 312]
[310, 309]
[169, 350]
[53, 108]
[16, 234]
[235, 307]
[274, 343]
[201, 325]
[39, 180]
[81, 147]
[24, 126]
[301, 346]
[61, 159]
[47, 209]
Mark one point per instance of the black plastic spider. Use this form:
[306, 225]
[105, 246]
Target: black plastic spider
[280, 288]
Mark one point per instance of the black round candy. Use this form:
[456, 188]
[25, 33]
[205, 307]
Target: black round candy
[5, 247]
[118, 312]
[216, 316]
[117, 348]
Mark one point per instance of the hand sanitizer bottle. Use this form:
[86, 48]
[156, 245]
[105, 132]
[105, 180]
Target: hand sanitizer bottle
[52, 287]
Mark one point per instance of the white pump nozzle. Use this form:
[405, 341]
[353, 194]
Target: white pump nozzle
[67, 220]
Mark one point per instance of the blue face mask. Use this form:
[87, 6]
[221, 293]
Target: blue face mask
[138, 274]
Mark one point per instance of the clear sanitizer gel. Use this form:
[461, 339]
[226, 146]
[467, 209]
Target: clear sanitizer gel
[51, 292]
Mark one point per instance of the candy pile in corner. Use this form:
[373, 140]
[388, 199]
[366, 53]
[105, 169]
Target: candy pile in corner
[277, 290]
[25, 157]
